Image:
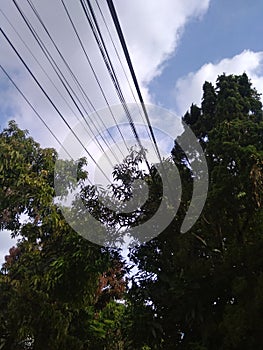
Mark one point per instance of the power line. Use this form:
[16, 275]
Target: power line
[39, 64]
[37, 114]
[128, 59]
[52, 103]
[79, 86]
[95, 76]
[63, 80]
[119, 59]
[35, 111]
[91, 17]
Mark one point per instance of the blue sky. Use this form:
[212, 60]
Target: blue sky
[225, 30]
[170, 43]
[175, 45]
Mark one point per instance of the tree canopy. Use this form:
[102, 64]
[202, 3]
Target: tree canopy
[204, 286]
[200, 290]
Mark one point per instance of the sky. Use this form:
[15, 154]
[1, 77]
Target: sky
[175, 46]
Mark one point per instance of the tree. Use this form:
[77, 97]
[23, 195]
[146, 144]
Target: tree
[198, 290]
[50, 282]
[204, 288]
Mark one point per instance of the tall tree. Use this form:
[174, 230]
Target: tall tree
[198, 290]
[203, 289]
[50, 284]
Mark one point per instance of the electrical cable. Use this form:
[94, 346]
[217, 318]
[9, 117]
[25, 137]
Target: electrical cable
[119, 59]
[95, 75]
[128, 59]
[91, 17]
[38, 115]
[35, 111]
[41, 67]
[52, 103]
[65, 83]
[76, 80]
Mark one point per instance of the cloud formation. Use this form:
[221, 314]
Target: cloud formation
[188, 89]
[152, 30]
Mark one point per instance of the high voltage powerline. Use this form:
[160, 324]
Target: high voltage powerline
[35, 111]
[52, 103]
[94, 73]
[119, 59]
[128, 59]
[91, 17]
[46, 74]
[62, 78]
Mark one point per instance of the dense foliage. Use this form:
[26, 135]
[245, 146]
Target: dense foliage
[205, 287]
[53, 283]
[201, 290]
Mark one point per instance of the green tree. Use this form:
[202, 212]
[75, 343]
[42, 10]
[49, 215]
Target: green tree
[203, 289]
[50, 283]
[198, 290]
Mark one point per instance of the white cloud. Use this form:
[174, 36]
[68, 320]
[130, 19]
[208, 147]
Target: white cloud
[151, 28]
[188, 89]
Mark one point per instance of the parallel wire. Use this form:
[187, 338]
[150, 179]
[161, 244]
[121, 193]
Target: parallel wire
[100, 42]
[41, 67]
[91, 17]
[119, 59]
[82, 90]
[79, 86]
[35, 111]
[65, 83]
[37, 61]
[38, 115]
[95, 76]
[128, 59]
[52, 103]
